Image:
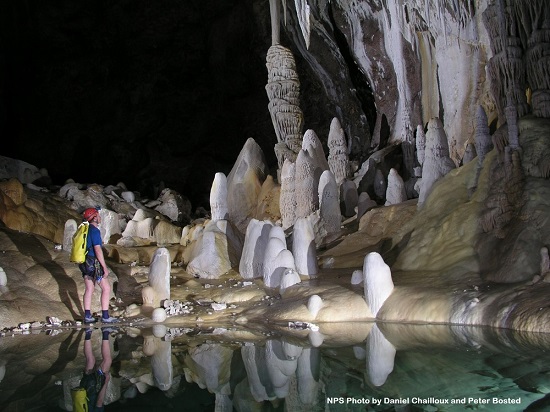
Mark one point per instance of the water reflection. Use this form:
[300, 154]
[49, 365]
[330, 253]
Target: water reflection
[341, 367]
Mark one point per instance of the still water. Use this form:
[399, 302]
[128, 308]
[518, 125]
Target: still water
[340, 367]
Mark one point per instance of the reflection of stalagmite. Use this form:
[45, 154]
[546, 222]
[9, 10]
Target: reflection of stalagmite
[307, 375]
[380, 357]
[223, 403]
[160, 352]
[279, 367]
[251, 264]
[256, 371]
[303, 248]
[378, 284]
[210, 367]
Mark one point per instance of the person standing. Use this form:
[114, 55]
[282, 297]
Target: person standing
[94, 269]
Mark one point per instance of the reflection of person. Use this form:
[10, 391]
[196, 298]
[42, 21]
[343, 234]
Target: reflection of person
[94, 269]
[97, 376]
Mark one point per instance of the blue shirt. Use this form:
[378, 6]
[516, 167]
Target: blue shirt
[94, 239]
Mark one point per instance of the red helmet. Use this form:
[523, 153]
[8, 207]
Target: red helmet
[90, 213]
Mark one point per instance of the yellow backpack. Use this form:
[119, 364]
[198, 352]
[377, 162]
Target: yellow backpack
[80, 242]
[80, 399]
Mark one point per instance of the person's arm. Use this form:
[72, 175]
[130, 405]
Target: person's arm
[99, 255]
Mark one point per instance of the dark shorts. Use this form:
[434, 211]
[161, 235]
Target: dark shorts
[92, 268]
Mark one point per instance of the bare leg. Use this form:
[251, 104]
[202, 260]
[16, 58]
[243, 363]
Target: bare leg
[89, 283]
[105, 293]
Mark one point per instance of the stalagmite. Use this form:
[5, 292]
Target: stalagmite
[251, 264]
[338, 160]
[544, 264]
[378, 284]
[159, 275]
[217, 250]
[357, 277]
[218, 198]
[380, 184]
[303, 248]
[395, 192]
[307, 197]
[313, 146]
[364, 204]
[3, 281]
[437, 162]
[283, 91]
[158, 315]
[290, 278]
[329, 207]
[244, 184]
[420, 144]
[348, 198]
[314, 305]
[469, 153]
[287, 199]
[68, 233]
[277, 259]
[483, 141]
